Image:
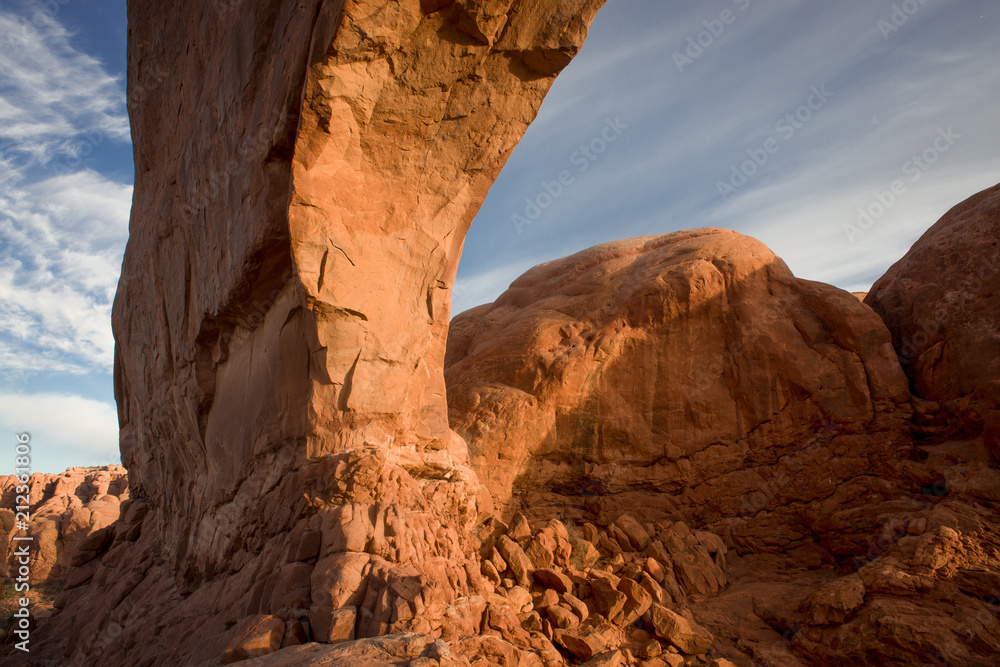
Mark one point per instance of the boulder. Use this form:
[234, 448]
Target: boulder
[254, 636]
[554, 579]
[940, 302]
[834, 602]
[686, 635]
[688, 375]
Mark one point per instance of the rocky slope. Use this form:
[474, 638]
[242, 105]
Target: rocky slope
[69, 515]
[64, 511]
[692, 376]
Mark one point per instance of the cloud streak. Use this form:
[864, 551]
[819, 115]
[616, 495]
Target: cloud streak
[86, 432]
[687, 130]
[50, 94]
[63, 228]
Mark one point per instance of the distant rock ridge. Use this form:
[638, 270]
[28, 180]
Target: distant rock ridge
[65, 510]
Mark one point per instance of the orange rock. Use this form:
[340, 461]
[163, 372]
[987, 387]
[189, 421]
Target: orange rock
[656, 592]
[835, 601]
[638, 599]
[650, 649]
[583, 645]
[610, 601]
[577, 605]
[634, 532]
[65, 511]
[541, 550]
[562, 618]
[519, 529]
[517, 561]
[548, 598]
[694, 363]
[689, 637]
[254, 636]
[531, 621]
[520, 599]
[607, 659]
[554, 579]
[939, 302]
[282, 313]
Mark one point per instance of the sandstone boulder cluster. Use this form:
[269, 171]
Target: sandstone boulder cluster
[65, 511]
[590, 592]
[684, 375]
[659, 451]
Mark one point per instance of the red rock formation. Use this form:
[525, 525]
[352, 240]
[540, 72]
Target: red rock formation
[284, 295]
[64, 511]
[941, 302]
[305, 175]
[691, 375]
[681, 375]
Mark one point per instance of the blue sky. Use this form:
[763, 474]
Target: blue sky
[782, 120]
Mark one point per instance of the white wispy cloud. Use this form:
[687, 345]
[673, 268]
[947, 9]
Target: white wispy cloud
[62, 227]
[61, 243]
[51, 94]
[85, 433]
[687, 130]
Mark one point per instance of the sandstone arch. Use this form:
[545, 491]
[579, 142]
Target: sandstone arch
[305, 174]
[305, 178]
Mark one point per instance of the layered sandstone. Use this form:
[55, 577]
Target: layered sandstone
[941, 302]
[686, 375]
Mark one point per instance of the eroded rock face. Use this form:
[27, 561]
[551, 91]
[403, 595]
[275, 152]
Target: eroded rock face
[305, 176]
[299, 212]
[685, 375]
[941, 302]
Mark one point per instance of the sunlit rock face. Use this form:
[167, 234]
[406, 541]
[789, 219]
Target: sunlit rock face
[686, 375]
[305, 175]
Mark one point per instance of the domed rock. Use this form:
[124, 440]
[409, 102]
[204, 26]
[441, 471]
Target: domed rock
[941, 302]
[686, 374]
